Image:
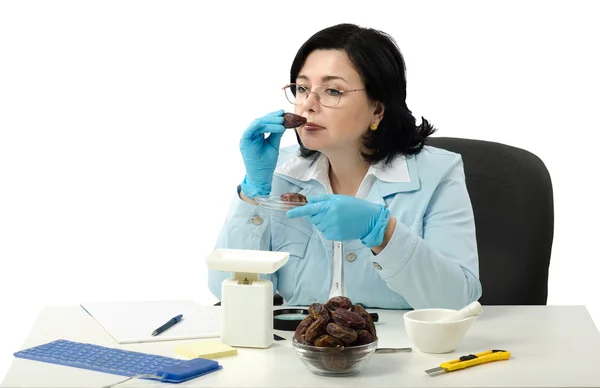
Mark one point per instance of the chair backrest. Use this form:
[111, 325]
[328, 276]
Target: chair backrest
[512, 199]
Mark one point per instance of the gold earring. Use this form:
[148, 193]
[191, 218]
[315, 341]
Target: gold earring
[373, 127]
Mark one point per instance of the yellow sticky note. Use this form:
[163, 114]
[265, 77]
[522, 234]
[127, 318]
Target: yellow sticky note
[205, 349]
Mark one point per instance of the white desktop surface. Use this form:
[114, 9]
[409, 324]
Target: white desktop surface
[551, 346]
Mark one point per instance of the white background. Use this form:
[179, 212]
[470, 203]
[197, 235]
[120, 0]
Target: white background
[120, 123]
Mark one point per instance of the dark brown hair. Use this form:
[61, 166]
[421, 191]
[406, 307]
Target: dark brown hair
[377, 58]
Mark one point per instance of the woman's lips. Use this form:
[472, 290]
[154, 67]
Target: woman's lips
[310, 127]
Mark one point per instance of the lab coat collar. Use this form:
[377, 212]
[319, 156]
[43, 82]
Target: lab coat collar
[401, 176]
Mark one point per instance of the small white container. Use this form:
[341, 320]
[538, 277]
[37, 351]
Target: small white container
[430, 336]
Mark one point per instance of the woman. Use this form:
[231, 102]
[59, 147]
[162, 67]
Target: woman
[389, 222]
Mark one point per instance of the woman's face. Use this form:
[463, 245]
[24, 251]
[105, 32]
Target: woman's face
[337, 128]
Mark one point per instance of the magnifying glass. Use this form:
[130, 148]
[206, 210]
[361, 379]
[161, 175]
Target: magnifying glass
[289, 319]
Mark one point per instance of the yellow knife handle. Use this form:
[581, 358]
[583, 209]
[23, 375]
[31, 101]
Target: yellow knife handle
[472, 360]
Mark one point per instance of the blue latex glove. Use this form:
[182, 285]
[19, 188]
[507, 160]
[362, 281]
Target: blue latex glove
[342, 218]
[260, 154]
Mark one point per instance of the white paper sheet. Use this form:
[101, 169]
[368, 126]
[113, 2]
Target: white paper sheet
[132, 322]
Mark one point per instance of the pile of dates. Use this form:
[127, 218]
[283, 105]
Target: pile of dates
[337, 323]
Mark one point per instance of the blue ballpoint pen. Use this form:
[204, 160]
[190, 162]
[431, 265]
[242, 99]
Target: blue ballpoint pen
[164, 327]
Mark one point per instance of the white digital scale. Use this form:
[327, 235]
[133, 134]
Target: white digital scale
[246, 299]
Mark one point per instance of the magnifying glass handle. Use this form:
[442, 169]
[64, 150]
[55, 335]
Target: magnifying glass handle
[392, 350]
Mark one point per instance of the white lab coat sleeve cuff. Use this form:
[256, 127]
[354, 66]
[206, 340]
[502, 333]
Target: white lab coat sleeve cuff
[442, 269]
[424, 277]
[397, 252]
[246, 226]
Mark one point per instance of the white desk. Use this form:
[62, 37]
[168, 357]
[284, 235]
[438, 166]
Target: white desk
[555, 346]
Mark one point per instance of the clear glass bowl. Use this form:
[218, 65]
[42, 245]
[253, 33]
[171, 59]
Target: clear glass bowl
[341, 361]
[274, 202]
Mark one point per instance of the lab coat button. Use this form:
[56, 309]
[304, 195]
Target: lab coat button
[351, 257]
[377, 266]
[257, 220]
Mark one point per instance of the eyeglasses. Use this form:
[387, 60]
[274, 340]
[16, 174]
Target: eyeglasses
[326, 95]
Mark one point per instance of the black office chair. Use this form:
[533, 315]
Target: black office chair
[512, 199]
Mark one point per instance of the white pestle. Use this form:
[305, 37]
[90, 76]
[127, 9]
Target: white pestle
[469, 311]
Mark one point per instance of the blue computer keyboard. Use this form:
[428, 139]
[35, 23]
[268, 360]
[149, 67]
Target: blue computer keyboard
[118, 361]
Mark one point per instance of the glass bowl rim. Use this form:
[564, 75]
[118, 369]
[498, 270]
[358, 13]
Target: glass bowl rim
[336, 349]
